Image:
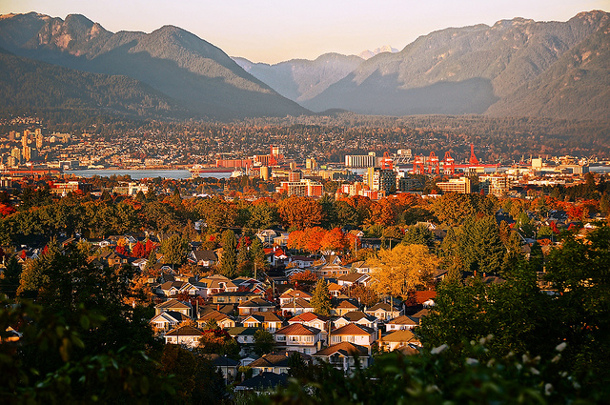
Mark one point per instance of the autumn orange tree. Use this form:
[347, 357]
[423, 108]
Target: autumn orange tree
[314, 238]
[300, 212]
[400, 270]
[334, 241]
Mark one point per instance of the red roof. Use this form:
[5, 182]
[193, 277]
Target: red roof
[304, 317]
[419, 297]
[297, 329]
[352, 329]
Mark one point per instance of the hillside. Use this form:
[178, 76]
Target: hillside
[301, 79]
[190, 70]
[458, 70]
[576, 86]
[36, 87]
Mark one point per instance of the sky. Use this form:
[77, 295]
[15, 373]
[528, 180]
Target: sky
[272, 31]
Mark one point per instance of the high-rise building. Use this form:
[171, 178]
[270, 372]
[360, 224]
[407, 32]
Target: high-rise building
[294, 176]
[265, 172]
[39, 141]
[461, 185]
[360, 160]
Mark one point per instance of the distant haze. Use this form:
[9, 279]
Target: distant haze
[277, 30]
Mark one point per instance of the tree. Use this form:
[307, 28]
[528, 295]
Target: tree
[313, 237]
[300, 212]
[419, 235]
[398, 271]
[306, 277]
[175, 250]
[320, 298]
[333, 241]
[257, 255]
[228, 260]
[365, 295]
[218, 341]
[262, 215]
[9, 279]
[481, 247]
[190, 369]
[244, 264]
[263, 342]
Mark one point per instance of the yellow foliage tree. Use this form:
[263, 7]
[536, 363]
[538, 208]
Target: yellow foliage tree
[402, 269]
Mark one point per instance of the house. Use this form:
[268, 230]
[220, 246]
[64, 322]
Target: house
[311, 319]
[184, 335]
[420, 314]
[222, 320]
[403, 322]
[384, 311]
[113, 259]
[266, 236]
[264, 320]
[281, 240]
[297, 307]
[352, 333]
[243, 335]
[301, 262]
[255, 305]
[204, 258]
[399, 339]
[216, 284]
[344, 356]
[357, 317]
[233, 297]
[264, 382]
[361, 267]
[331, 259]
[334, 289]
[298, 337]
[173, 288]
[140, 263]
[330, 270]
[167, 320]
[351, 279]
[276, 362]
[290, 295]
[343, 308]
[276, 256]
[173, 305]
[226, 365]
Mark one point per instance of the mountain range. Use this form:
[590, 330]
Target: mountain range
[197, 75]
[516, 67]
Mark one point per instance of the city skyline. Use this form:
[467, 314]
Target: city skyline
[275, 31]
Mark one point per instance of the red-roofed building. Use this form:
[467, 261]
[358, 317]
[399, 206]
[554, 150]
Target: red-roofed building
[298, 337]
[310, 319]
[352, 333]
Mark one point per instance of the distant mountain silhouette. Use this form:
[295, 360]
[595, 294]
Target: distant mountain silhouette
[190, 70]
[301, 79]
[368, 54]
[37, 87]
[516, 67]
[470, 69]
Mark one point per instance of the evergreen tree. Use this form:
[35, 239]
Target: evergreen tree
[228, 261]
[419, 235]
[320, 299]
[9, 280]
[244, 263]
[175, 250]
[257, 254]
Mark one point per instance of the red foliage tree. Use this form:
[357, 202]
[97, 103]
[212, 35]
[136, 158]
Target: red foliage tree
[138, 250]
[334, 240]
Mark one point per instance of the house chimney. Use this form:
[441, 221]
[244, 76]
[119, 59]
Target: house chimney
[218, 307]
[319, 345]
[379, 333]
